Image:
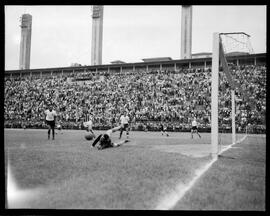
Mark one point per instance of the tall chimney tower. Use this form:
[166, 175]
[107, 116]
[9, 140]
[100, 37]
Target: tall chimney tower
[97, 30]
[186, 32]
[25, 45]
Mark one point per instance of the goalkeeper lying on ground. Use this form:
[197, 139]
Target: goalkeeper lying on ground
[104, 141]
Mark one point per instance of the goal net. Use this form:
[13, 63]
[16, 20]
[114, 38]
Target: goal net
[228, 123]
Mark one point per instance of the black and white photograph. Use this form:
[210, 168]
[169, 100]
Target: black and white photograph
[135, 107]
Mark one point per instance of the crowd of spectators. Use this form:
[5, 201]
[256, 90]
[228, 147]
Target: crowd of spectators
[173, 97]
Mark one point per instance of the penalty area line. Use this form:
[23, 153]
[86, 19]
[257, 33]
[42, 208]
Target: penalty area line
[174, 197]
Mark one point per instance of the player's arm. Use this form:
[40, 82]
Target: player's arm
[96, 140]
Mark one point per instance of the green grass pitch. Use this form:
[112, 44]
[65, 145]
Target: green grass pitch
[66, 173]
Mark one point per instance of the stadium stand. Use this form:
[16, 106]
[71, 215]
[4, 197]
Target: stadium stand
[153, 96]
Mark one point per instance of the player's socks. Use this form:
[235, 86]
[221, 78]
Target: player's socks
[121, 133]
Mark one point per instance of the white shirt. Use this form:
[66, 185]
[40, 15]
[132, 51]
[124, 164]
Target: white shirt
[50, 115]
[88, 124]
[124, 119]
[194, 123]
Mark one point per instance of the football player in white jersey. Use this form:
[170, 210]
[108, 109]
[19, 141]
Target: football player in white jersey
[50, 120]
[89, 124]
[124, 120]
[194, 127]
[163, 129]
[59, 127]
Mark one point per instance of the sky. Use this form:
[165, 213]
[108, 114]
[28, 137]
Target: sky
[61, 35]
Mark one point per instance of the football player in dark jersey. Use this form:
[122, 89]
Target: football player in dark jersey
[104, 140]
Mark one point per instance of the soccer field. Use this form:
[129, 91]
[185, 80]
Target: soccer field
[66, 173]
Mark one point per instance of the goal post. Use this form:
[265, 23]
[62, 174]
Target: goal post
[225, 44]
[218, 57]
[214, 95]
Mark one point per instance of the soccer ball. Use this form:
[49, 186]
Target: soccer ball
[89, 136]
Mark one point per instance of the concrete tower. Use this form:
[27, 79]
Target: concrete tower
[186, 32]
[97, 30]
[25, 44]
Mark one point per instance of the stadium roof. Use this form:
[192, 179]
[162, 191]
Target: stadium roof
[258, 56]
[202, 53]
[157, 59]
[118, 62]
[237, 53]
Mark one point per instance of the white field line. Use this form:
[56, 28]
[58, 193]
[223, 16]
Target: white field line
[175, 196]
[230, 146]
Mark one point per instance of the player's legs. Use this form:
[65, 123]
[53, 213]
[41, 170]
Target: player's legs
[61, 129]
[127, 130]
[198, 133]
[165, 131]
[49, 128]
[109, 132]
[91, 130]
[121, 131]
[191, 133]
[120, 143]
[53, 126]
[49, 132]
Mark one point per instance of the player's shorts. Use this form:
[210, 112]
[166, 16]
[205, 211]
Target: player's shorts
[125, 126]
[51, 123]
[102, 144]
[194, 128]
